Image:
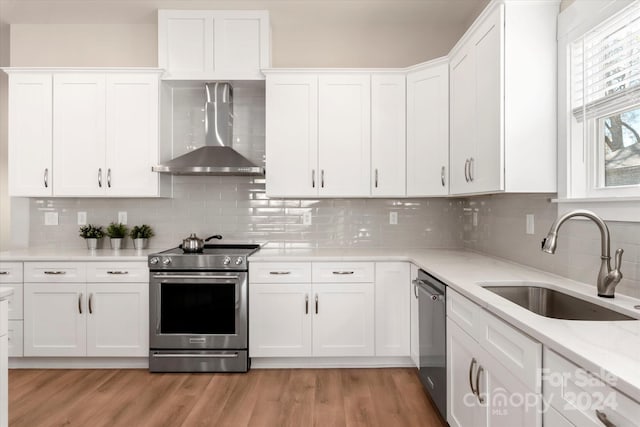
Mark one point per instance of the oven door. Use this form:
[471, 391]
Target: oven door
[204, 310]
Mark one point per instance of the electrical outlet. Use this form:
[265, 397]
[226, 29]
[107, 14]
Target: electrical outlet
[306, 218]
[51, 218]
[530, 224]
[82, 218]
[122, 217]
[393, 218]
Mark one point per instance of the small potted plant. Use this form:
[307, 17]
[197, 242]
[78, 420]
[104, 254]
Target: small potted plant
[91, 234]
[117, 232]
[140, 234]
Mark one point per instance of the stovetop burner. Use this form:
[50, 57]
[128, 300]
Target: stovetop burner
[219, 256]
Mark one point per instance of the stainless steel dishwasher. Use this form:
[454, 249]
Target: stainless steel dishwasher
[432, 338]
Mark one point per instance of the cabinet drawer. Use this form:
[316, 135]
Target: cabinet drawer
[519, 354]
[4, 322]
[342, 272]
[15, 302]
[64, 272]
[464, 312]
[117, 272]
[280, 272]
[10, 272]
[15, 338]
[577, 394]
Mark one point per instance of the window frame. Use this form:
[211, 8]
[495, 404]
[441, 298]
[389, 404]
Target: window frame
[577, 148]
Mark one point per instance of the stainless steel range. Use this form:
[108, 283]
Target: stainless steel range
[198, 309]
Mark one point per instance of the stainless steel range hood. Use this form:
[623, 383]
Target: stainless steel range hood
[217, 157]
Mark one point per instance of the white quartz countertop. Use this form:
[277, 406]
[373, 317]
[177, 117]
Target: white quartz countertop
[75, 254]
[5, 292]
[608, 349]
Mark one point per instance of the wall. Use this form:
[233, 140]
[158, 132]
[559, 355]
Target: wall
[500, 231]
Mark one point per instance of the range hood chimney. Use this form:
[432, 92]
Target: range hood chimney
[217, 157]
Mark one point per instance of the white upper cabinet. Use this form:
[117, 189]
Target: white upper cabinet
[30, 133]
[344, 134]
[428, 130]
[79, 134]
[318, 134]
[388, 140]
[83, 133]
[503, 101]
[213, 44]
[131, 135]
[292, 134]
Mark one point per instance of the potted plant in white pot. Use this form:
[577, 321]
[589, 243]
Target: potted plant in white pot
[140, 234]
[117, 232]
[91, 234]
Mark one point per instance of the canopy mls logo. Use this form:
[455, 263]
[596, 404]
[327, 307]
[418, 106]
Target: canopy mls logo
[566, 387]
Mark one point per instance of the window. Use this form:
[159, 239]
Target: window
[605, 102]
[599, 108]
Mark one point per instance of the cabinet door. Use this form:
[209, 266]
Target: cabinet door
[185, 43]
[463, 358]
[388, 142]
[392, 312]
[292, 135]
[415, 319]
[428, 131]
[280, 320]
[462, 128]
[344, 135]
[79, 134]
[131, 134]
[54, 319]
[4, 381]
[486, 168]
[118, 319]
[241, 46]
[343, 321]
[30, 135]
[508, 401]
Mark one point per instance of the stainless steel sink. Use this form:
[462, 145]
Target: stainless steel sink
[555, 304]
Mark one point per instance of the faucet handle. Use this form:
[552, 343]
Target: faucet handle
[618, 258]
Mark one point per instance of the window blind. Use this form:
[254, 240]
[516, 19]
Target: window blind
[605, 66]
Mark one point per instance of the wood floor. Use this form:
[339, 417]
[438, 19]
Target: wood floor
[283, 397]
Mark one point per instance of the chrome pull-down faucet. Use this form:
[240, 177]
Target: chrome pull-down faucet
[608, 278]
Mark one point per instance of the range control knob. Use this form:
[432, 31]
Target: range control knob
[166, 261]
[238, 260]
[154, 260]
[226, 261]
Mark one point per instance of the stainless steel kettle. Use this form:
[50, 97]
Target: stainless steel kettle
[194, 244]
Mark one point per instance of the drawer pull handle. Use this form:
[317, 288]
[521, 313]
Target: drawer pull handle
[91, 303]
[80, 303]
[117, 272]
[55, 273]
[480, 398]
[343, 273]
[471, 365]
[316, 303]
[4, 273]
[603, 419]
[279, 273]
[306, 304]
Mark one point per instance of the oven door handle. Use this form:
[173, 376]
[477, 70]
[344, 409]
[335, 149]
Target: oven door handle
[195, 276]
[217, 356]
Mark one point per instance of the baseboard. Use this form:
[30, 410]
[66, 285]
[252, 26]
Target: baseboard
[330, 362]
[78, 363]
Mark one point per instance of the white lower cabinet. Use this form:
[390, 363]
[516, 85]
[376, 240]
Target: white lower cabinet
[303, 318]
[579, 398]
[107, 317]
[491, 377]
[4, 363]
[415, 319]
[392, 305]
